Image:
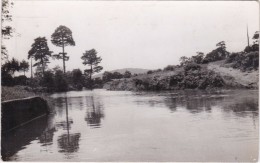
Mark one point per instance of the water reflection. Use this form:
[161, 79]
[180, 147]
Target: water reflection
[94, 112]
[68, 143]
[16, 140]
[153, 127]
[201, 101]
[193, 103]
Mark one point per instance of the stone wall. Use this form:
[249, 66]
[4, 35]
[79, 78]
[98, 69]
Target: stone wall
[20, 111]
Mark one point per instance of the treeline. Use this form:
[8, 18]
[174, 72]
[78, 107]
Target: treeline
[55, 79]
[248, 59]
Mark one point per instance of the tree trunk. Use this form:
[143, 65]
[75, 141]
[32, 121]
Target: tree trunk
[63, 57]
[90, 77]
[42, 67]
[31, 70]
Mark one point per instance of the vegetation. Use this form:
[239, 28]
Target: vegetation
[91, 59]
[191, 73]
[62, 37]
[40, 52]
[24, 66]
[7, 30]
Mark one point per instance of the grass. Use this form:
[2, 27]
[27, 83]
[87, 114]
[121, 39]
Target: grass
[16, 92]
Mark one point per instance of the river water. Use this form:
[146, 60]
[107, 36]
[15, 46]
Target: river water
[102, 125]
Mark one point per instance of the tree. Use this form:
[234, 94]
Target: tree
[184, 60]
[91, 59]
[107, 76]
[117, 75]
[198, 58]
[62, 37]
[60, 81]
[221, 44]
[77, 78]
[24, 66]
[13, 66]
[127, 74]
[256, 37]
[40, 52]
[6, 29]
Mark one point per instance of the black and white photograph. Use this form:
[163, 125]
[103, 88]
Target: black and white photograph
[129, 81]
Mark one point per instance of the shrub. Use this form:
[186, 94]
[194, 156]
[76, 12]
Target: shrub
[216, 55]
[20, 80]
[192, 67]
[176, 80]
[60, 81]
[6, 79]
[48, 81]
[244, 61]
[169, 68]
[149, 72]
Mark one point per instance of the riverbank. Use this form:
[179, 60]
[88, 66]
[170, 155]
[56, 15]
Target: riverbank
[214, 75]
[20, 92]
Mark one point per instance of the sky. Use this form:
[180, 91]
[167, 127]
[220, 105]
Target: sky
[134, 34]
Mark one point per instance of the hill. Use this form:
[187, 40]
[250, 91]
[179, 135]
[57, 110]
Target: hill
[121, 71]
[205, 76]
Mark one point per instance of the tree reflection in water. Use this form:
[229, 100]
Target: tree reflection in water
[68, 143]
[15, 140]
[94, 112]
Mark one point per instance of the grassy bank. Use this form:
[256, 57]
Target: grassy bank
[214, 75]
[18, 92]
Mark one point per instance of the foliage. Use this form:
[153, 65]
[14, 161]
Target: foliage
[198, 58]
[6, 29]
[20, 80]
[244, 61]
[77, 78]
[108, 76]
[169, 68]
[192, 67]
[48, 81]
[98, 83]
[91, 59]
[256, 37]
[215, 55]
[61, 84]
[184, 60]
[13, 66]
[127, 74]
[40, 52]
[6, 79]
[149, 72]
[62, 37]
[24, 66]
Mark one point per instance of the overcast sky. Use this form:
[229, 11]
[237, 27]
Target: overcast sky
[134, 34]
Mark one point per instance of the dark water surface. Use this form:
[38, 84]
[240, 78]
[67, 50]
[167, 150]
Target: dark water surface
[104, 125]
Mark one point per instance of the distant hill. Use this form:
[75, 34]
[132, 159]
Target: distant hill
[132, 70]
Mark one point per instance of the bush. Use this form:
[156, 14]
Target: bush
[244, 61]
[20, 80]
[48, 81]
[176, 80]
[169, 68]
[253, 48]
[215, 55]
[7, 79]
[192, 67]
[149, 72]
[61, 84]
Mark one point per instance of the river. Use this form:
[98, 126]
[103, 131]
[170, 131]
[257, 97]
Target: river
[102, 125]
